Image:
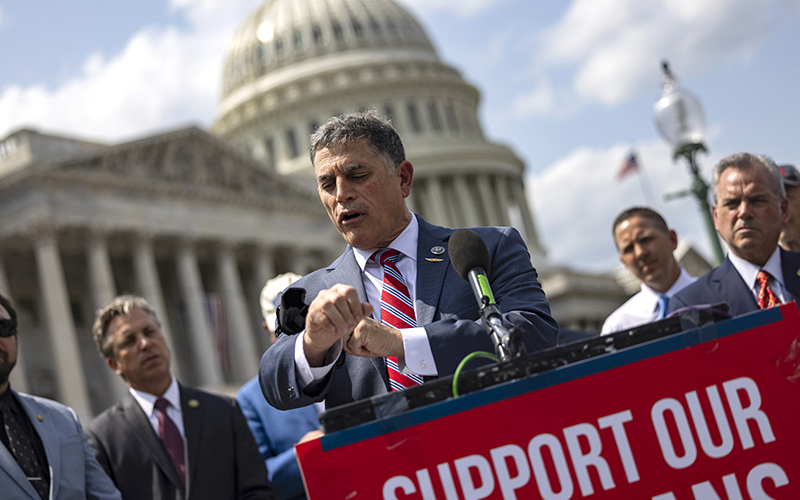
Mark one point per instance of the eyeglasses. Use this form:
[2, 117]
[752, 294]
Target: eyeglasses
[8, 327]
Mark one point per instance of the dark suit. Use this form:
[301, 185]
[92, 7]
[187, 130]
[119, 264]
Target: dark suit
[725, 284]
[74, 471]
[445, 306]
[222, 461]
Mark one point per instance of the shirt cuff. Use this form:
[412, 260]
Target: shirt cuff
[305, 372]
[418, 355]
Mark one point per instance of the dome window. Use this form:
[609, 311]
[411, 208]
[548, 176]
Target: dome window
[413, 117]
[376, 28]
[297, 38]
[433, 113]
[338, 35]
[278, 46]
[390, 26]
[316, 33]
[357, 28]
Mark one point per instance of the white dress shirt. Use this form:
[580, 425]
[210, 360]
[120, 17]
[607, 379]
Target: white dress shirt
[642, 308]
[418, 355]
[148, 405]
[749, 271]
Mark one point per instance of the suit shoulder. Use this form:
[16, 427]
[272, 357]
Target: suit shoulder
[45, 403]
[107, 419]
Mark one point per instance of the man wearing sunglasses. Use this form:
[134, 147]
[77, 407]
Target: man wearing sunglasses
[45, 454]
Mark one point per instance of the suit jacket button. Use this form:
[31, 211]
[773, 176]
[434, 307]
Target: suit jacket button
[290, 391]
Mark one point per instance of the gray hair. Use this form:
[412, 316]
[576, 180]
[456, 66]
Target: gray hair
[344, 130]
[744, 161]
[120, 306]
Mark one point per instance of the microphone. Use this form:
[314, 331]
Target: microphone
[470, 258]
[292, 311]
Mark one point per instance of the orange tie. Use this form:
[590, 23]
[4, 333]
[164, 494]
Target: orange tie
[766, 298]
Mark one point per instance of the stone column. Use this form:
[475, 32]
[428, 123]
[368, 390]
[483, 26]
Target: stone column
[436, 202]
[144, 266]
[18, 377]
[264, 265]
[466, 202]
[243, 350]
[527, 219]
[502, 192]
[488, 201]
[103, 290]
[61, 326]
[207, 368]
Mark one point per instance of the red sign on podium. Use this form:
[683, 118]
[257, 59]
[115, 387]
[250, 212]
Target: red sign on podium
[711, 413]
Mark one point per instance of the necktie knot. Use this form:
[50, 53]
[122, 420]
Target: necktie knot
[161, 405]
[385, 255]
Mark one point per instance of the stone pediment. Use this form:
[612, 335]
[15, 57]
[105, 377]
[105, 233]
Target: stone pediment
[189, 160]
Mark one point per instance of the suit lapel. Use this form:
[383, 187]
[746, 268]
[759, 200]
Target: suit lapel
[431, 268]
[790, 265]
[7, 461]
[730, 285]
[49, 436]
[193, 414]
[137, 424]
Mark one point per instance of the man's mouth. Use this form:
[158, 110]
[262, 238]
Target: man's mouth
[349, 216]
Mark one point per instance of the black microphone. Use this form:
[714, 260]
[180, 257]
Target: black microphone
[292, 311]
[470, 258]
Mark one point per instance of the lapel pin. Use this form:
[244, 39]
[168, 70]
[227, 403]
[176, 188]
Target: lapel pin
[40, 418]
[798, 272]
[437, 250]
[193, 403]
[429, 259]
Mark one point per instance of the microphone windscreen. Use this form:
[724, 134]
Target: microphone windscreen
[467, 251]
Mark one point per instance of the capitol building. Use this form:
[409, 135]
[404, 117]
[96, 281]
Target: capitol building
[197, 220]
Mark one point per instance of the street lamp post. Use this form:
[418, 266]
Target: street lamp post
[679, 118]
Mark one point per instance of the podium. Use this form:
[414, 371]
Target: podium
[711, 412]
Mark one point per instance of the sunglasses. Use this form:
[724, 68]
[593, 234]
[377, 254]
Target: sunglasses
[8, 327]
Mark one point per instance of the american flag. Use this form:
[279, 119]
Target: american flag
[629, 166]
[215, 308]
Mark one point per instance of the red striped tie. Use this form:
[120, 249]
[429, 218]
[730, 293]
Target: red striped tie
[766, 297]
[397, 311]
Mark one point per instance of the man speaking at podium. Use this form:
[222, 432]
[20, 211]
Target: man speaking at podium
[750, 209]
[391, 310]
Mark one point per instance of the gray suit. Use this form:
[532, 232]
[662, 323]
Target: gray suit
[74, 471]
[445, 306]
[222, 460]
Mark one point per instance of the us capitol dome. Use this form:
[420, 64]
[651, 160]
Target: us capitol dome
[295, 63]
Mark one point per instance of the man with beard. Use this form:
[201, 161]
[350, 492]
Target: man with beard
[44, 454]
[750, 210]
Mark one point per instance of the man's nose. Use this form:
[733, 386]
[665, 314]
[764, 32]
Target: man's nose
[343, 191]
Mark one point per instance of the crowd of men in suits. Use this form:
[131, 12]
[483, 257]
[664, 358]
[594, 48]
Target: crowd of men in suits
[756, 211]
[389, 313]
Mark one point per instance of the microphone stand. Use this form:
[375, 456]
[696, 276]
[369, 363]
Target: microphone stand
[507, 343]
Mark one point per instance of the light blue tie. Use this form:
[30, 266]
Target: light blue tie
[663, 307]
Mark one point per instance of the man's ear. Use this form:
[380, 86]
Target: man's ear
[406, 173]
[111, 361]
[673, 239]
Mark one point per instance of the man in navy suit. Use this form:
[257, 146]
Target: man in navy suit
[363, 179]
[750, 209]
[60, 464]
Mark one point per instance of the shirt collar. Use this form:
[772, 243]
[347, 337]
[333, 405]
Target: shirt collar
[749, 271]
[405, 243]
[683, 279]
[148, 401]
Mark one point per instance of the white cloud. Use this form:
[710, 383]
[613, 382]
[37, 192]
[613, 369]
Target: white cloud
[614, 45]
[576, 199]
[163, 77]
[544, 100]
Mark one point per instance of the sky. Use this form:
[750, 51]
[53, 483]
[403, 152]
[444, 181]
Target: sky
[568, 85]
